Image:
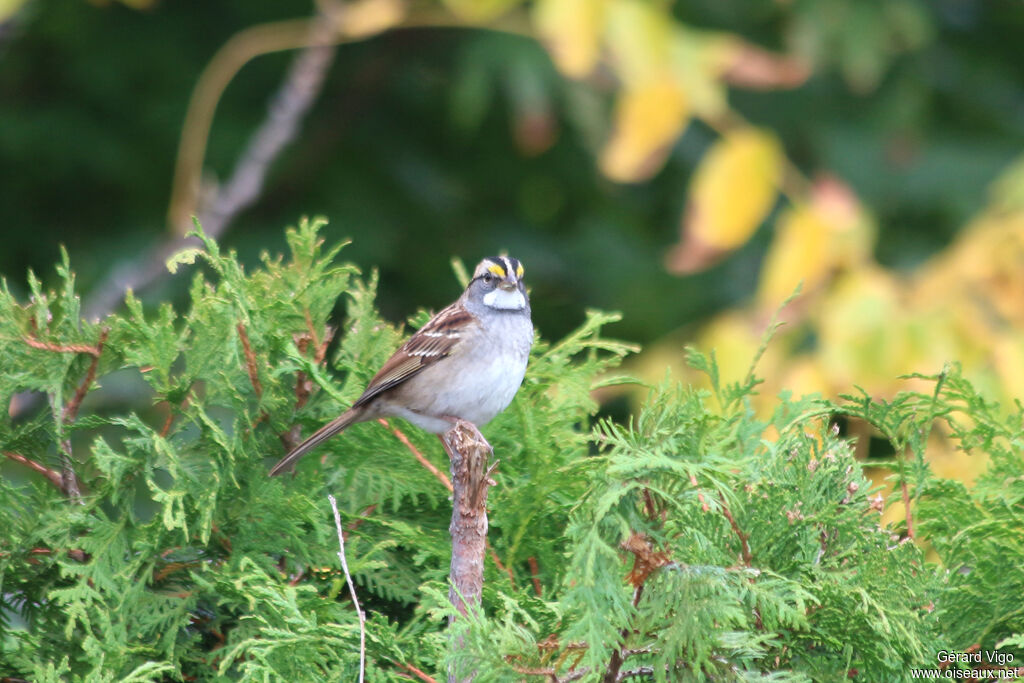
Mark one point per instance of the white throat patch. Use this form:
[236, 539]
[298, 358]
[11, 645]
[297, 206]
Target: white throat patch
[508, 301]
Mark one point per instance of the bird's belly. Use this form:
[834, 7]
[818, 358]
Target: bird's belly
[483, 393]
[476, 396]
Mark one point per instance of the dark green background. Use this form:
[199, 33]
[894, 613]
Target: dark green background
[410, 148]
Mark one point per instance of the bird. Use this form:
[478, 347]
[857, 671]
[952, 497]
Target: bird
[466, 364]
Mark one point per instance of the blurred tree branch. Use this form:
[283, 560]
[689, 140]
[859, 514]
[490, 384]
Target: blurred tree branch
[286, 109]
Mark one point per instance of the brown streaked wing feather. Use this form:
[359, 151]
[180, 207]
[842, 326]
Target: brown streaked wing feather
[432, 342]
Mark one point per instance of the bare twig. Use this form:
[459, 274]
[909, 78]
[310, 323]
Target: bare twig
[469, 452]
[52, 475]
[76, 554]
[441, 476]
[547, 672]
[351, 588]
[287, 108]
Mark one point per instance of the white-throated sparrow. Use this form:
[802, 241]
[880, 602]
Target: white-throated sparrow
[466, 363]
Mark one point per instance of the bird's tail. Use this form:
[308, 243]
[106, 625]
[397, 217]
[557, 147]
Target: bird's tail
[327, 431]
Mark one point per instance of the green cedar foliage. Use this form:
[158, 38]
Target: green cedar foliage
[695, 542]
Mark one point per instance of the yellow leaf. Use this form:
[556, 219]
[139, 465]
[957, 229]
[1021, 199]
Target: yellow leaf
[734, 188]
[827, 233]
[639, 38]
[732, 191]
[571, 30]
[648, 119]
[799, 253]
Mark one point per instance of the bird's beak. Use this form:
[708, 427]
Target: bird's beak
[509, 284]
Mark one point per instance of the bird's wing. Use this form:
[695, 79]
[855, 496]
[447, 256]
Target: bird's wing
[432, 342]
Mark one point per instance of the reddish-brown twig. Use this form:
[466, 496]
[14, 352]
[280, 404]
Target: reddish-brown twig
[498, 563]
[441, 476]
[744, 546]
[70, 411]
[250, 360]
[303, 383]
[356, 523]
[423, 676]
[535, 574]
[62, 348]
[906, 506]
[69, 479]
[319, 347]
[52, 475]
[166, 429]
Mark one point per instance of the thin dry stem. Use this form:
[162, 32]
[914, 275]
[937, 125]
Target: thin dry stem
[69, 479]
[906, 506]
[441, 476]
[52, 475]
[61, 348]
[744, 546]
[351, 588]
[535, 574]
[500, 565]
[611, 675]
[250, 360]
[423, 676]
[70, 411]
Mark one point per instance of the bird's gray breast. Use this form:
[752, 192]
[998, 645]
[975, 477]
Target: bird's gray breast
[482, 377]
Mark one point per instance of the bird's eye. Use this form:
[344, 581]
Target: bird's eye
[488, 278]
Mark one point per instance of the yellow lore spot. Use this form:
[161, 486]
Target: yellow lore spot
[519, 270]
[496, 269]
